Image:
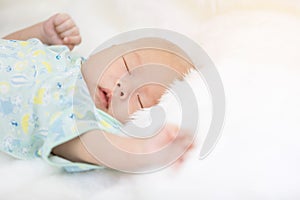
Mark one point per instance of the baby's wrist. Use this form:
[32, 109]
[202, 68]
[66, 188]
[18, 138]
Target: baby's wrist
[42, 32]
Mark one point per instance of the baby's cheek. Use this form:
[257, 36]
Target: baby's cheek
[97, 103]
[123, 108]
[131, 104]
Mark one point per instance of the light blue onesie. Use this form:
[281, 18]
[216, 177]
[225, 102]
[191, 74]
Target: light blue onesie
[45, 102]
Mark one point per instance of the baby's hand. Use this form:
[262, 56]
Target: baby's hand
[60, 29]
[182, 142]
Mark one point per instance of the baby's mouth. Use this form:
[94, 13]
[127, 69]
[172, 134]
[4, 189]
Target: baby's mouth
[105, 96]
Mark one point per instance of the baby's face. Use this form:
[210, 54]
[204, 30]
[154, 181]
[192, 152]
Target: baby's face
[118, 81]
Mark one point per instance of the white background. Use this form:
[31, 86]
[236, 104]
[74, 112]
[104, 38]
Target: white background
[255, 46]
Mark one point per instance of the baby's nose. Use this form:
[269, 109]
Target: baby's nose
[121, 90]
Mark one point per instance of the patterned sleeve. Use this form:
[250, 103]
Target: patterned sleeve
[44, 102]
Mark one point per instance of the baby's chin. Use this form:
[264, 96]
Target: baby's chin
[115, 115]
[107, 110]
[101, 106]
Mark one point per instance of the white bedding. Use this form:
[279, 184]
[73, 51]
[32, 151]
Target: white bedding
[257, 54]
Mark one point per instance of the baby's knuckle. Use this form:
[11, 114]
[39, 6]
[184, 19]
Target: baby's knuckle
[79, 39]
[67, 24]
[76, 31]
[64, 15]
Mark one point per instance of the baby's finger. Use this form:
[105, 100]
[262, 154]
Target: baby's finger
[73, 40]
[66, 25]
[70, 32]
[60, 18]
[178, 164]
[71, 47]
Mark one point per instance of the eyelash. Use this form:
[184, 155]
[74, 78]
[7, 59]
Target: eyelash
[126, 65]
[139, 99]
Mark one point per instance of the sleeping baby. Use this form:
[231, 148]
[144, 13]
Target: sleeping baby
[69, 110]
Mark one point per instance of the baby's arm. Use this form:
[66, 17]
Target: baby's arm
[76, 149]
[59, 29]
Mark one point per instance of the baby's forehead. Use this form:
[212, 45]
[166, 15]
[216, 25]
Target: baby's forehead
[142, 44]
[150, 43]
[161, 57]
[147, 50]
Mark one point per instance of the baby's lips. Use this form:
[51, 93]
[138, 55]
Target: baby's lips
[102, 96]
[108, 94]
